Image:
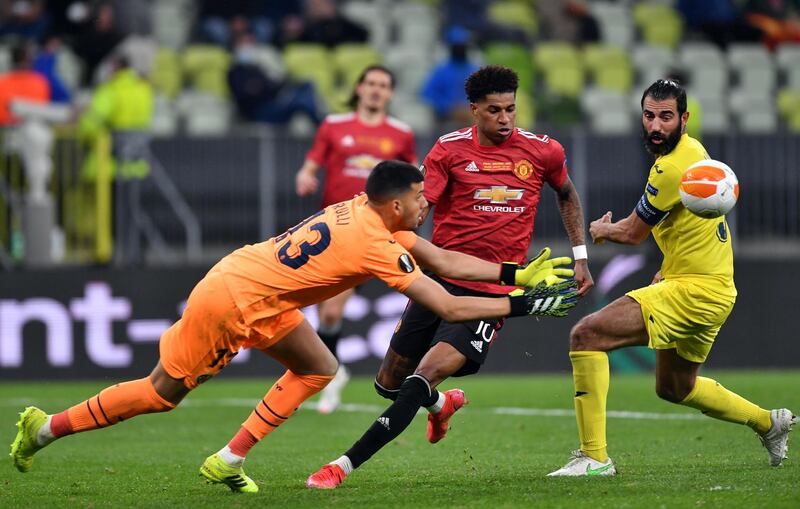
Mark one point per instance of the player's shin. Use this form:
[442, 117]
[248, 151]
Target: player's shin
[590, 374]
[413, 393]
[112, 405]
[280, 402]
[718, 402]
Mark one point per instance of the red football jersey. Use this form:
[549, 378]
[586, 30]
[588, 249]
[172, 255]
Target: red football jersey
[348, 149]
[486, 197]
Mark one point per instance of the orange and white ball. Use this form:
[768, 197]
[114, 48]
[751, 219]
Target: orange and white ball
[709, 188]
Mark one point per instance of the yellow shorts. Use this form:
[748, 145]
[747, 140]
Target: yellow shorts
[212, 331]
[683, 314]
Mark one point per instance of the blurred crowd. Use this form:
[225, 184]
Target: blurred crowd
[92, 35]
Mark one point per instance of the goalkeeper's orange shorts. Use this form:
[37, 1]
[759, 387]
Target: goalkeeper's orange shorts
[212, 331]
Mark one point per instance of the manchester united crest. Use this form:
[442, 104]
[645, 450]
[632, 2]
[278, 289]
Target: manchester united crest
[523, 169]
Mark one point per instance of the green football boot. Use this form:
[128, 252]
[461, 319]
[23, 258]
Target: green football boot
[215, 470]
[24, 445]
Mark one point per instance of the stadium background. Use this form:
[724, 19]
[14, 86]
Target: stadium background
[70, 311]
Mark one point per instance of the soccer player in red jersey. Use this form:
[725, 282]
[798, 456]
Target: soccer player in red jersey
[485, 182]
[348, 146]
[251, 299]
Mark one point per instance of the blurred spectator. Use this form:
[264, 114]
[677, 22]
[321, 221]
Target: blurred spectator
[223, 21]
[27, 19]
[777, 20]
[21, 82]
[134, 17]
[568, 21]
[263, 98]
[443, 89]
[719, 20]
[45, 63]
[70, 17]
[123, 108]
[321, 23]
[474, 16]
[98, 40]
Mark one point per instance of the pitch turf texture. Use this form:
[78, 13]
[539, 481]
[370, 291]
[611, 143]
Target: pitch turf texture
[497, 453]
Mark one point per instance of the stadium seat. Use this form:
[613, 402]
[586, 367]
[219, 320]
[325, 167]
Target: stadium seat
[651, 63]
[410, 66]
[270, 60]
[608, 111]
[610, 67]
[562, 67]
[166, 74]
[312, 62]
[788, 103]
[753, 65]
[517, 14]
[374, 16]
[707, 68]
[716, 114]
[350, 60]
[69, 67]
[409, 109]
[165, 117]
[659, 24]
[526, 110]
[172, 22]
[205, 114]
[787, 57]
[415, 24]
[616, 25]
[206, 68]
[5, 58]
[515, 56]
[755, 112]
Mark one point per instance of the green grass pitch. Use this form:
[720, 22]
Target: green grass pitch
[497, 453]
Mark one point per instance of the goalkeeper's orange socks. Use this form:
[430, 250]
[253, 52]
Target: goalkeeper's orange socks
[590, 374]
[280, 402]
[718, 402]
[112, 405]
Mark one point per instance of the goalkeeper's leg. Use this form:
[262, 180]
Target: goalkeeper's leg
[311, 367]
[36, 429]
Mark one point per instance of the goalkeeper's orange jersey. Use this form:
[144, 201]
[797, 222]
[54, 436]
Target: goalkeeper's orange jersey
[337, 248]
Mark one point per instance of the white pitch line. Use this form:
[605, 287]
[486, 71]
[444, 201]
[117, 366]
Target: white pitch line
[377, 409]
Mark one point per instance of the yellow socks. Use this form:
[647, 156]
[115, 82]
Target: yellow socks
[590, 373]
[718, 402]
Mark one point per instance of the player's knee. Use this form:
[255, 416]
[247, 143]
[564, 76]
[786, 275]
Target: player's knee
[671, 391]
[386, 392]
[582, 335]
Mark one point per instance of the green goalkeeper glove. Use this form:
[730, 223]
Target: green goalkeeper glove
[540, 269]
[545, 300]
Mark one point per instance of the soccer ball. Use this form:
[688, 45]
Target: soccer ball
[709, 188]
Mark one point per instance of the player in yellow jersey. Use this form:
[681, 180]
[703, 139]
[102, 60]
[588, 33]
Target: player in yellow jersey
[251, 299]
[679, 314]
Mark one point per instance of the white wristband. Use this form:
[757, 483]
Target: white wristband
[579, 252]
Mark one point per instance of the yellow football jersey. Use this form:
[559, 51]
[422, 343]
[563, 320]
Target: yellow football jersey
[692, 246]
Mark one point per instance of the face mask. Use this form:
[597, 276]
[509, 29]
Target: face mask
[245, 55]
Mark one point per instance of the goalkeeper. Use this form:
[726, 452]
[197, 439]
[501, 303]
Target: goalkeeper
[251, 299]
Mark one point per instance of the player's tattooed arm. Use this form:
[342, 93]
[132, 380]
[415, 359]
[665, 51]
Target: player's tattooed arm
[569, 204]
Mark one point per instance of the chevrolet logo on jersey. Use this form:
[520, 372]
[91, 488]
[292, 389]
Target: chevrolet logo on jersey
[498, 194]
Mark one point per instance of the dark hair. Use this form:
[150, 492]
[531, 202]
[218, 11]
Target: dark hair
[391, 178]
[353, 101]
[492, 79]
[667, 89]
[21, 53]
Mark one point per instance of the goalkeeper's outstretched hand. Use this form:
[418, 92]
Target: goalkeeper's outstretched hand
[545, 300]
[543, 269]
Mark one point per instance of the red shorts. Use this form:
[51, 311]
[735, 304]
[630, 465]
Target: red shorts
[212, 331]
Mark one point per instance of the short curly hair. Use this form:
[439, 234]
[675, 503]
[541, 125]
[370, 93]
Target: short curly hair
[492, 79]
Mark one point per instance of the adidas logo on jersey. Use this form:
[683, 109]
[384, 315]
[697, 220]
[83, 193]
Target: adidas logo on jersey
[478, 345]
[384, 421]
[472, 167]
